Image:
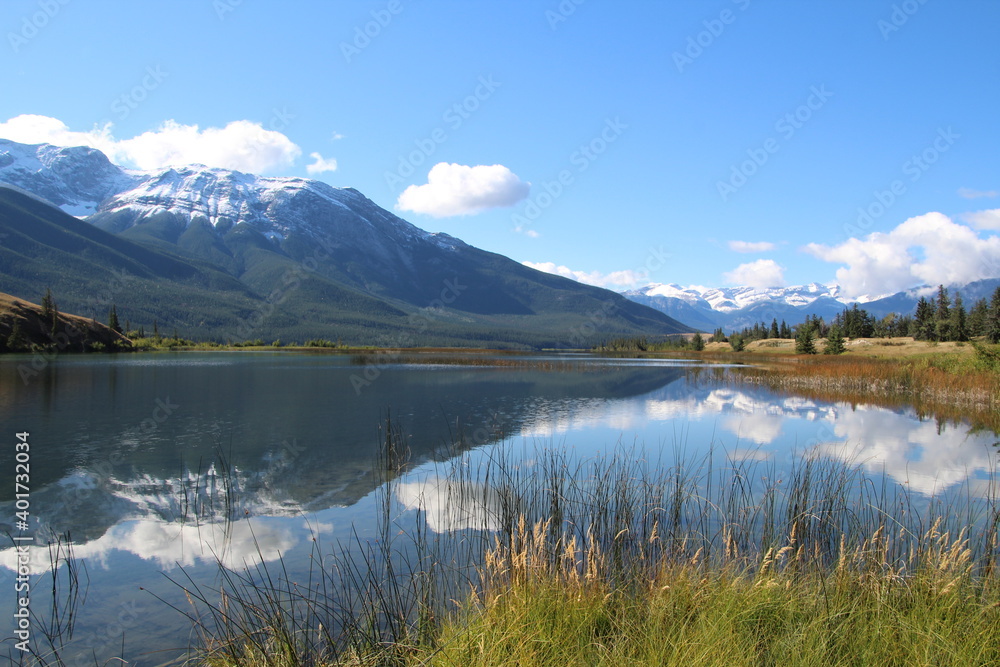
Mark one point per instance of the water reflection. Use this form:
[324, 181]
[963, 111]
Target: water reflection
[255, 445]
[926, 457]
[167, 546]
[452, 505]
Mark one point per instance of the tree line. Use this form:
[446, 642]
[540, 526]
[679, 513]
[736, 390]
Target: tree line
[942, 317]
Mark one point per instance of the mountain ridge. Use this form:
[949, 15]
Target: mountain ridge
[733, 308]
[300, 259]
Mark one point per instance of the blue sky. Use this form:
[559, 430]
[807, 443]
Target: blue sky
[708, 143]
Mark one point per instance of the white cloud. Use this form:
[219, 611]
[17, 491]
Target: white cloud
[36, 129]
[615, 279]
[751, 246]
[457, 189]
[321, 164]
[928, 249]
[969, 193]
[242, 145]
[989, 219]
[762, 273]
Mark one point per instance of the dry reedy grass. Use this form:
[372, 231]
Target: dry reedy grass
[620, 560]
[953, 388]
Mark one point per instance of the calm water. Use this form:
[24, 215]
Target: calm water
[127, 454]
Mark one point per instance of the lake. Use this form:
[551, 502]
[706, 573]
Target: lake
[160, 466]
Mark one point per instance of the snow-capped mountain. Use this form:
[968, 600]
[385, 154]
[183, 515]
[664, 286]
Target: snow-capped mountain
[84, 183]
[75, 179]
[736, 307]
[733, 308]
[320, 261]
[729, 299]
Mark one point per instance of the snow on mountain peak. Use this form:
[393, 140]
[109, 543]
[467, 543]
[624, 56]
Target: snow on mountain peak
[75, 179]
[729, 299]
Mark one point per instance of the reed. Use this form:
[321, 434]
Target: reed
[622, 559]
[952, 387]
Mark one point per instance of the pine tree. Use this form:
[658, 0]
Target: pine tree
[16, 341]
[804, 343]
[48, 305]
[773, 331]
[957, 325]
[50, 312]
[942, 315]
[923, 324]
[785, 331]
[697, 342]
[737, 342]
[113, 320]
[834, 342]
[976, 322]
[993, 318]
[55, 319]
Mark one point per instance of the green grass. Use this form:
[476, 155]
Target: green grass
[622, 561]
[784, 611]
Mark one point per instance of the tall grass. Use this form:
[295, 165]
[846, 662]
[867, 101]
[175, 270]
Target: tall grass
[955, 387]
[546, 558]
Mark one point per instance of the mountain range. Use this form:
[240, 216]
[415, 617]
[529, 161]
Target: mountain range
[220, 254]
[733, 308]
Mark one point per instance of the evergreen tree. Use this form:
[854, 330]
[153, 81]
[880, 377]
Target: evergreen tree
[923, 324]
[113, 320]
[50, 312]
[883, 328]
[16, 341]
[957, 325]
[719, 336]
[804, 343]
[785, 331]
[48, 305]
[834, 342]
[942, 315]
[901, 326]
[993, 318]
[156, 331]
[773, 332]
[697, 342]
[737, 343]
[976, 322]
